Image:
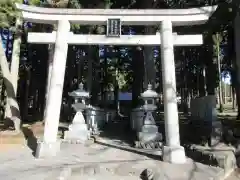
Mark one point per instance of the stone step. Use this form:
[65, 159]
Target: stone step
[132, 170]
[165, 174]
[178, 176]
[221, 156]
[104, 177]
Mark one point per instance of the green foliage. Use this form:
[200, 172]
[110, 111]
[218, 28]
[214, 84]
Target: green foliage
[75, 4]
[217, 40]
[35, 2]
[8, 13]
[122, 80]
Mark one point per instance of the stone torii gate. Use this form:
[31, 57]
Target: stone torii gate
[173, 152]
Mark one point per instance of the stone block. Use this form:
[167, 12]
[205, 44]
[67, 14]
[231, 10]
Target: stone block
[226, 160]
[78, 132]
[221, 155]
[46, 149]
[137, 119]
[216, 133]
[204, 120]
[174, 154]
[204, 108]
[149, 137]
[149, 129]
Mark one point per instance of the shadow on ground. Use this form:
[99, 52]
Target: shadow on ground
[31, 139]
[133, 150]
[117, 134]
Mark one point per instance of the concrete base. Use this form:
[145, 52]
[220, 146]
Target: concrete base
[77, 132]
[175, 155]
[45, 150]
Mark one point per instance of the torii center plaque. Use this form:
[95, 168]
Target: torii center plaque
[113, 28]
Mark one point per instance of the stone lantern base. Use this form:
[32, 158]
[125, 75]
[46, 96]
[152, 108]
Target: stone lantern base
[149, 137]
[149, 133]
[78, 131]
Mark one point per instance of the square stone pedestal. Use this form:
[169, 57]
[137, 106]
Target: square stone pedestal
[45, 150]
[174, 154]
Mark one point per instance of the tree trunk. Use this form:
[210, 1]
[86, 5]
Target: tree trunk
[148, 51]
[219, 78]
[237, 60]
[10, 89]
[116, 90]
[211, 67]
[94, 59]
[90, 68]
[26, 92]
[138, 71]
[149, 66]
[204, 81]
[233, 98]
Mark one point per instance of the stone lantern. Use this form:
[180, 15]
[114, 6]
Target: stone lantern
[149, 134]
[78, 130]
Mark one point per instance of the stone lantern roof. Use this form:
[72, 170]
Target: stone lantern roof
[149, 93]
[79, 93]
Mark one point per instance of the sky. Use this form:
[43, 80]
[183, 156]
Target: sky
[7, 42]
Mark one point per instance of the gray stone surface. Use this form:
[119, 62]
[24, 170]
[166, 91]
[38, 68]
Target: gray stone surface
[77, 132]
[235, 175]
[221, 155]
[216, 134]
[204, 118]
[137, 119]
[45, 150]
[77, 161]
[204, 108]
[174, 154]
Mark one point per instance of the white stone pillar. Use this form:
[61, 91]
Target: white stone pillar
[49, 72]
[50, 145]
[172, 152]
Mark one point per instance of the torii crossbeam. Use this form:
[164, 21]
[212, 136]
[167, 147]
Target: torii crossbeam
[130, 40]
